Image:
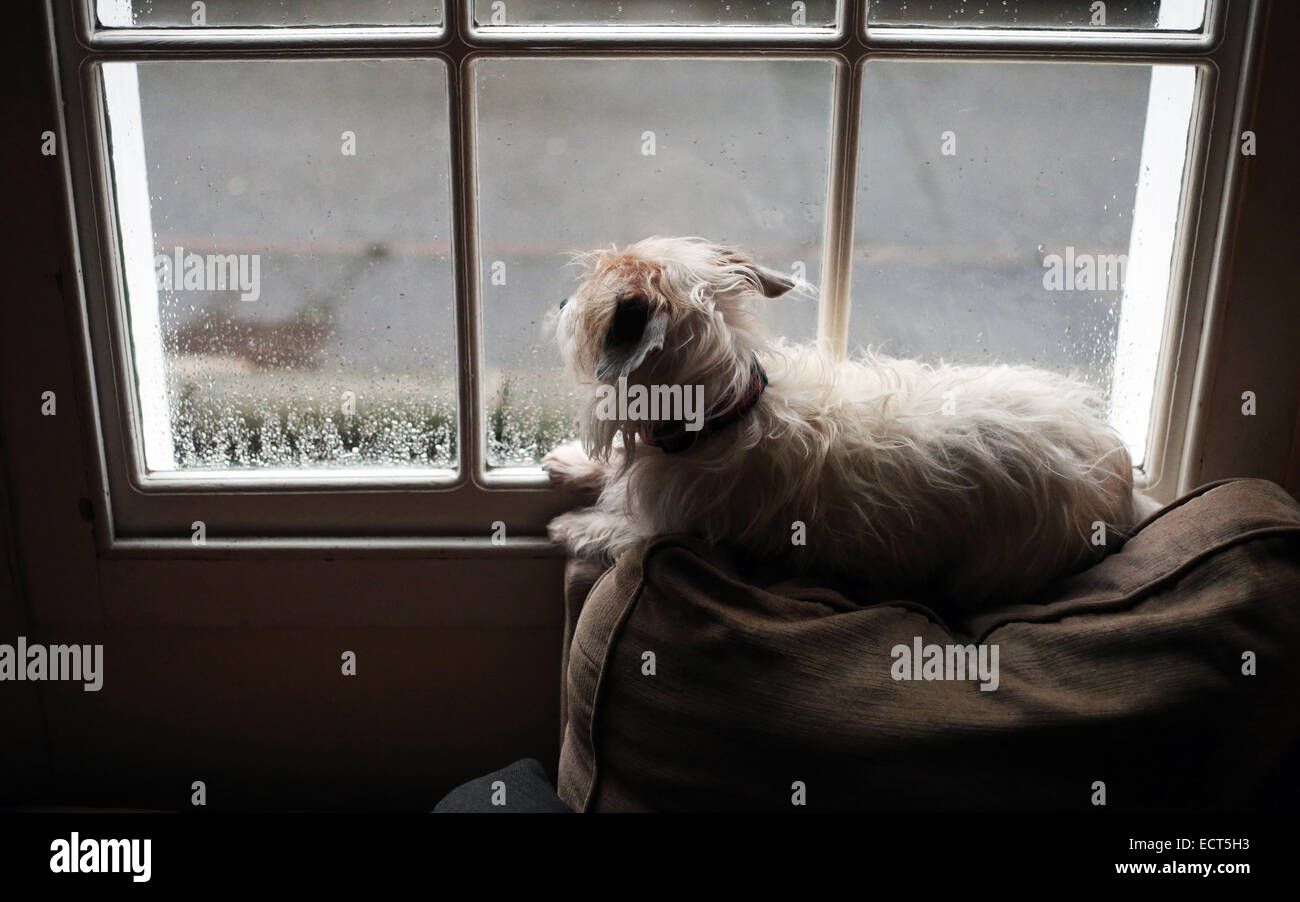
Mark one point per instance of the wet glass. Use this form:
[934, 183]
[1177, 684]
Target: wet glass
[1022, 213]
[567, 163]
[740, 13]
[285, 229]
[1082, 15]
[265, 13]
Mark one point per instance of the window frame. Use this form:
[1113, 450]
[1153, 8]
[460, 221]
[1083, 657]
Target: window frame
[419, 514]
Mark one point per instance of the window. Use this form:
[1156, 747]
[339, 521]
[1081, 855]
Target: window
[660, 14]
[746, 161]
[321, 239]
[285, 233]
[1172, 19]
[996, 223]
[265, 13]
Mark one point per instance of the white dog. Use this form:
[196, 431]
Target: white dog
[965, 483]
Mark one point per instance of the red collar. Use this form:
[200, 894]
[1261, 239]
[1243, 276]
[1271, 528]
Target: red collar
[673, 437]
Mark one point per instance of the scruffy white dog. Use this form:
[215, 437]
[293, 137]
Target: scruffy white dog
[966, 483]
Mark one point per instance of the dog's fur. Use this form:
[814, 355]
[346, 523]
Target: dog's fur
[966, 483]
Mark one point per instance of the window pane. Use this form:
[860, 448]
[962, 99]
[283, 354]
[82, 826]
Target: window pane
[1022, 213]
[567, 162]
[1128, 15]
[810, 13]
[285, 229]
[257, 13]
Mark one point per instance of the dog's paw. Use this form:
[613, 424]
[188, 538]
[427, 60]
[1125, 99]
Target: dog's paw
[594, 534]
[574, 533]
[569, 467]
[567, 463]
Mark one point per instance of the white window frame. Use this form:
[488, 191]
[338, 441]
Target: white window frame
[426, 512]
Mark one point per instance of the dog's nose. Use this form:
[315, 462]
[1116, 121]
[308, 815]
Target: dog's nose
[563, 302]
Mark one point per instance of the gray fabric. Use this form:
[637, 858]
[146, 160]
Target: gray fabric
[1129, 674]
[524, 787]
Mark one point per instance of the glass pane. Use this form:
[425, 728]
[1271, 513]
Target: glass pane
[567, 162]
[1022, 213]
[770, 13]
[259, 13]
[1116, 15]
[285, 230]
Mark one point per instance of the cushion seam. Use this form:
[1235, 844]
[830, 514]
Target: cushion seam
[1124, 599]
[603, 667]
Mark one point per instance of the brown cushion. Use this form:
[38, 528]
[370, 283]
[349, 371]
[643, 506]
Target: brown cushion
[1130, 673]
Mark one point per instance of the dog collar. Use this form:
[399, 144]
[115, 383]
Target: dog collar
[674, 437]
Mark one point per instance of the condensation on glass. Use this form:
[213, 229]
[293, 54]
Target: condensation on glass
[566, 162]
[1083, 15]
[265, 13]
[972, 178]
[766, 13]
[1022, 213]
[286, 256]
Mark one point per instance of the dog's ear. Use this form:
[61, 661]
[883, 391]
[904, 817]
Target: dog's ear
[770, 283]
[773, 284]
[634, 331]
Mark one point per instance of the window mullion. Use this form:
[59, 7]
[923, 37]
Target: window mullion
[837, 251]
[470, 449]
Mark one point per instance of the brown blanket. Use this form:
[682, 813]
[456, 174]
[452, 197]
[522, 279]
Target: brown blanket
[1130, 682]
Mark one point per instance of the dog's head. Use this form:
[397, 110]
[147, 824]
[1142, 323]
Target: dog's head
[664, 311]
